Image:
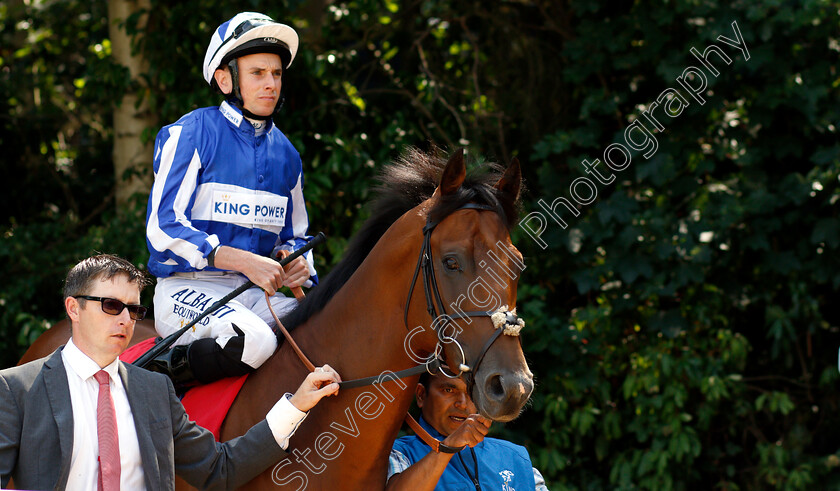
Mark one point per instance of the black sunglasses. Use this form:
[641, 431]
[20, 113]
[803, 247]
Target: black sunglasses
[114, 307]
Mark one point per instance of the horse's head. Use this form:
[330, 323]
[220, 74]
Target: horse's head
[468, 271]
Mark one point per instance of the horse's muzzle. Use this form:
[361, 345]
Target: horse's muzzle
[501, 396]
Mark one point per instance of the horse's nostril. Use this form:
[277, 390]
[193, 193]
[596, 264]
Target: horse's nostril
[494, 388]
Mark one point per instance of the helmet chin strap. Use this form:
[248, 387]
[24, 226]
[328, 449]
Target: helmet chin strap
[235, 97]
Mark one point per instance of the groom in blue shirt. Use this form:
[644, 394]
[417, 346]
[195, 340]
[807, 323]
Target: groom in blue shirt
[449, 414]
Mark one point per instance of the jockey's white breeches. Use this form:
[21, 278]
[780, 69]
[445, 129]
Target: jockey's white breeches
[182, 297]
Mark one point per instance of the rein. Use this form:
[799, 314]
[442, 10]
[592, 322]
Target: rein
[349, 384]
[436, 444]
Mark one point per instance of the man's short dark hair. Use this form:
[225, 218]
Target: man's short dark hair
[101, 267]
[425, 378]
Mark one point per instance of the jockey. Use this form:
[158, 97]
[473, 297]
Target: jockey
[227, 197]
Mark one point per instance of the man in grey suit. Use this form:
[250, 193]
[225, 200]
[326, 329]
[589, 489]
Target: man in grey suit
[50, 437]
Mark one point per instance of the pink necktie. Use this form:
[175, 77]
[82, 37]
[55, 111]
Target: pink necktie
[106, 430]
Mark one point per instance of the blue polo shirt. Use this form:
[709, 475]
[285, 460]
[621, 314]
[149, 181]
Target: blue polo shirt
[501, 465]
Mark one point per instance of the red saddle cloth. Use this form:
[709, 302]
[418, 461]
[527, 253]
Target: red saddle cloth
[208, 404]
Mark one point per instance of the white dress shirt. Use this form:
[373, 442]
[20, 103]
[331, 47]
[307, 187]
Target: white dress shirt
[84, 390]
[283, 420]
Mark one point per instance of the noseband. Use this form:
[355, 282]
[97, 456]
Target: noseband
[504, 321]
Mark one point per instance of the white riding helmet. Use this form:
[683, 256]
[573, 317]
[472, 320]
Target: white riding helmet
[247, 33]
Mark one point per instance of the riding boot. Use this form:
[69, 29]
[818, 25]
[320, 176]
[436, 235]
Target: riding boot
[175, 364]
[211, 362]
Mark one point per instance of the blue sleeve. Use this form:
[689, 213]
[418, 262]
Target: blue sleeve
[170, 235]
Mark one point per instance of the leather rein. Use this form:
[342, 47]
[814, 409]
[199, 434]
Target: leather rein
[504, 321]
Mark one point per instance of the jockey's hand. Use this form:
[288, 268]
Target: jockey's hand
[471, 432]
[297, 271]
[322, 382]
[264, 272]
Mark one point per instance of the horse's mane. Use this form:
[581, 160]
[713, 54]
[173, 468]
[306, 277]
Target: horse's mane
[401, 186]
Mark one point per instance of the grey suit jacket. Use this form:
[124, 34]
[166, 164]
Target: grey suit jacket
[36, 432]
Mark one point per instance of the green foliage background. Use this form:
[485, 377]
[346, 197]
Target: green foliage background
[681, 329]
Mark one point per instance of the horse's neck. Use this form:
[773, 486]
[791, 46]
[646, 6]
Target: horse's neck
[360, 333]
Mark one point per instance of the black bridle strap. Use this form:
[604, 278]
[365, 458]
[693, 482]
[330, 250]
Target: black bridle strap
[429, 280]
[413, 281]
[434, 303]
[474, 367]
[408, 372]
[426, 262]
[472, 313]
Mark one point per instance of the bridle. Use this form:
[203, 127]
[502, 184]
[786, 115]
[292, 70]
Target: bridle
[504, 321]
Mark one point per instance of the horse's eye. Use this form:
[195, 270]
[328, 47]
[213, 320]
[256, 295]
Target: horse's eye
[451, 264]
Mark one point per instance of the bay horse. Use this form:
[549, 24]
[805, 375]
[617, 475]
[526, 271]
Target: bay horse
[374, 314]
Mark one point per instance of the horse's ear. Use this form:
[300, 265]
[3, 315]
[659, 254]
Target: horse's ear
[511, 181]
[453, 174]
